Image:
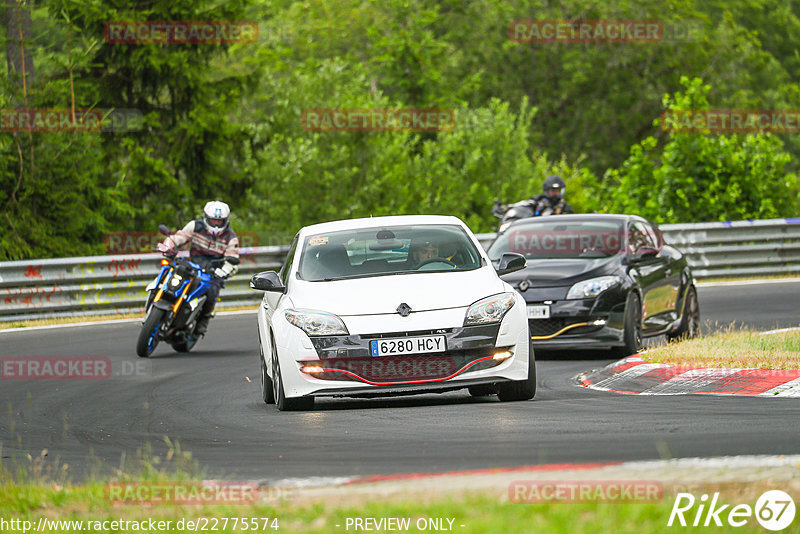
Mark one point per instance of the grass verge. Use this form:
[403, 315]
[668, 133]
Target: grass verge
[40, 489]
[737, 348]
[476, 512]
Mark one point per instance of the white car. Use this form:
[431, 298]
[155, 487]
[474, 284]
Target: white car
[391, 306]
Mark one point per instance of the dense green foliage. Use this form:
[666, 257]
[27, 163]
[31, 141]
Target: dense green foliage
[695, 177]
[223, 121]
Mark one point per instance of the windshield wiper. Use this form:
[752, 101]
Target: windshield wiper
[352, 277]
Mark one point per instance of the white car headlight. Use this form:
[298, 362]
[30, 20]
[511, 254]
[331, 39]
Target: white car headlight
[316, 323]
[489, 310]
[592, 287]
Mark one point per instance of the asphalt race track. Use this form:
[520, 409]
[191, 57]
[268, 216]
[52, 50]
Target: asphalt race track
[205, 401]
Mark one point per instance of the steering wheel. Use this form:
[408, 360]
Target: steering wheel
[435, 260]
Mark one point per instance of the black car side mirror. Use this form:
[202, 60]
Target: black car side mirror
[642, 253]
[511, 262]
[267, 281]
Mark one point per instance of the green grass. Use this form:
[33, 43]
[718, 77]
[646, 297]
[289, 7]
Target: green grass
[732, 348]
[40, 488]
[478, 512]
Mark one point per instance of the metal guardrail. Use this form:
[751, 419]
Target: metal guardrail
[739, 248]
[104, 285]
[99, 285]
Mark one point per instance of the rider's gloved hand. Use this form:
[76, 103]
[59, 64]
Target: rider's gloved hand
[164, 249]
[220, 273]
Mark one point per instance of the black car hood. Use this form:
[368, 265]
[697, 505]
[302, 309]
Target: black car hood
[563, 272]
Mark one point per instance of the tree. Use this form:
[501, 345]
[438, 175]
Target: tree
[695, 177]
[17, 22]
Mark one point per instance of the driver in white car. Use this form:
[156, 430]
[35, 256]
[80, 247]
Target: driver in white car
[422, 251]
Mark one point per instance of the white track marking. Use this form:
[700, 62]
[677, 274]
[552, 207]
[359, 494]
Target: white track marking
[749, 282]
[789, 389]
[624, 376]
[690, 381]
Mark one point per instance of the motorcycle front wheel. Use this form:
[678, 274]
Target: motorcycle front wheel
[148, 336]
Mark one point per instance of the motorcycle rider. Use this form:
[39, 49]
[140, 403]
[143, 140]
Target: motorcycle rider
[211, 240]
[551, 201]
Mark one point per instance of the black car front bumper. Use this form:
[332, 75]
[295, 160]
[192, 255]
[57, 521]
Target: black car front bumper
[590, 323]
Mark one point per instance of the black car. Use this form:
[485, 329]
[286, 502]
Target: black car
[599, 282]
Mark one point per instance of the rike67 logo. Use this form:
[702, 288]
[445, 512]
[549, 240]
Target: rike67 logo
[774, 510]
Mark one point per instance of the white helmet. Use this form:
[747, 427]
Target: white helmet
[216, 216]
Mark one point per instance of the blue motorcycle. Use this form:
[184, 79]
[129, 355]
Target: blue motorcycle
[174, 303]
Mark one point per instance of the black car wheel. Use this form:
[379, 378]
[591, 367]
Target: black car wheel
[632, 334]
[520, 390]
[690, 322]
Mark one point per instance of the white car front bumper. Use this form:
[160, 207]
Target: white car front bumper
[343, 366]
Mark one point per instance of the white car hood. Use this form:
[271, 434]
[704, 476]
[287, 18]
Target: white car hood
[383, 294]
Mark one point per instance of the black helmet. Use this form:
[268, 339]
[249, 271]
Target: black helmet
[554, 187]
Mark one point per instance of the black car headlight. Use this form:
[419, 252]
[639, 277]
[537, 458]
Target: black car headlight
[592, 287]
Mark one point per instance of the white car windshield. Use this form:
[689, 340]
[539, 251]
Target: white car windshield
[387, 250]
[553, 237]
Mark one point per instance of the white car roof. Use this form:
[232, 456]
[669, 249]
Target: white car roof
[370, 222]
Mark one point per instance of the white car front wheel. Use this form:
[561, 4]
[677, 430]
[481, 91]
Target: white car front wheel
[267, 391]
[520, 390]
[285, 404]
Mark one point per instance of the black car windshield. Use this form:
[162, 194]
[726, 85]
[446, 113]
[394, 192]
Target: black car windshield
[381, 251]
[555, 237]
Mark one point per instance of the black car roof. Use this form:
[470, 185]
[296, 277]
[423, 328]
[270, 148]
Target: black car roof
[580, 216]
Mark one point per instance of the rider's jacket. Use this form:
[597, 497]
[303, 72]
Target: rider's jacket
[544, 206]
[206, 247]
